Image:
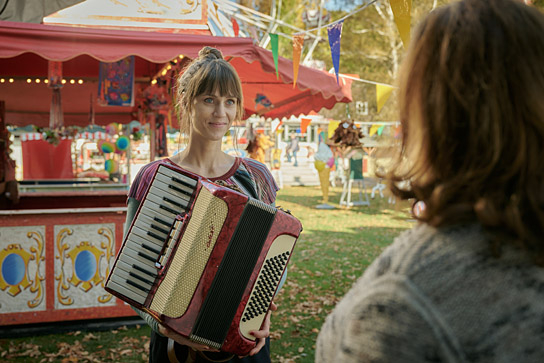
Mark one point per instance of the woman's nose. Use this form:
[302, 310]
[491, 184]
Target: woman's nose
[219, 109]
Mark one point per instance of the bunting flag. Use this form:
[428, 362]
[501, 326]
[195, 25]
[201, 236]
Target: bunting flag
[398, 131]
[382, 94]
[298, 41]
[401, 12]
[277, 128]
[235, 27]
[335, 34]
[333, 125]
[373, 130]
[274, 45]
[304, 122]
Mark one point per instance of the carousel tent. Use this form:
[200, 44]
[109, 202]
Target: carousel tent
[25, 50]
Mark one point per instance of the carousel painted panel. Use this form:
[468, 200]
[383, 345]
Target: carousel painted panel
[22, 269]
[84, 256]
[54, 264]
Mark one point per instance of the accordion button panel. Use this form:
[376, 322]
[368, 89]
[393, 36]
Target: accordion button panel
[168, 196]
[266, 284]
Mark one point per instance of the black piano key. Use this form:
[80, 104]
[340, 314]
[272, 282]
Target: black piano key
[149, 248]
[166, 199]
[157, 228]
[182, 182]
[136, 267]
[138, 286]
[141, 278]
[147, 257]
[156, 236]
[140, 236]
[173, 187]
[170, 210]
[161, 221]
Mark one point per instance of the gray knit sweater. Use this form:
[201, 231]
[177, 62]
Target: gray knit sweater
[440, 296]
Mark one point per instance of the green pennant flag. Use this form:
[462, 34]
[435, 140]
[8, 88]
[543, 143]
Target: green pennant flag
[274, 44]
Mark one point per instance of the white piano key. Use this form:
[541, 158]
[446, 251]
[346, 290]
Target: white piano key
[126, 275]
[144, 231]
[121, 265]
[167, 186]
[152, 206]
[171, 200]
[127, 287]
[152, 270]
[126, 292]
[172, 173]
[152, 224]
[136, 238]
[134, 254]
[137, 247]
[162, 221]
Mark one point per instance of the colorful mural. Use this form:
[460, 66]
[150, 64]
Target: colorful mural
[22, 269]
[84, 255]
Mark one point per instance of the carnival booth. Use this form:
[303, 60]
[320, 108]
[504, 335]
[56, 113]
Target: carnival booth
[59, 231]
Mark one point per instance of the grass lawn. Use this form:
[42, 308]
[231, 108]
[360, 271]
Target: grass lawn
[333, 251]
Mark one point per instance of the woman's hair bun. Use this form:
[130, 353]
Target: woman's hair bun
[211, 53]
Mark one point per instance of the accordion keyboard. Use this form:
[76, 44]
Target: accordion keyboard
[168, 196]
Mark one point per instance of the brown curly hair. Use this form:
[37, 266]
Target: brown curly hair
[206, 73]
[472, 112]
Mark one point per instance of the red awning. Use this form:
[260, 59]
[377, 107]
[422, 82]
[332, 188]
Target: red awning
[25, 49]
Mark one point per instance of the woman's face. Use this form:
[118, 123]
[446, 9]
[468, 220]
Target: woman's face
[213, 115]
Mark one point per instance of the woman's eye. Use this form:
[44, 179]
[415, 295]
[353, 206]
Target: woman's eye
[208, 100]
[231, 102]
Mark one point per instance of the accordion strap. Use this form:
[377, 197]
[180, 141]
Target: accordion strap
[195, 356]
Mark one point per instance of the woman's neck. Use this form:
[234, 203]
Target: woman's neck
[205, 159]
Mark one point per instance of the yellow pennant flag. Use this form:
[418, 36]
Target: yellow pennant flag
[298, 41]
[373, 130]
[401, 12]
[382, 94]
[333, 125]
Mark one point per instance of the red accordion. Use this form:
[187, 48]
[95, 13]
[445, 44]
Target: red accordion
[204, 259]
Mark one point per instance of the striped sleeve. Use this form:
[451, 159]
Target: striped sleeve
[143, 179]
[265, 183]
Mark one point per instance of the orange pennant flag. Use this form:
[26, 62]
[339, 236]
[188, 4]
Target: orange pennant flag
[298, 42]
[304, 122]
[278, 127]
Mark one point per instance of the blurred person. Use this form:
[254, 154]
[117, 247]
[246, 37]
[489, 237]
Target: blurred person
[292, 148]
[467, 283]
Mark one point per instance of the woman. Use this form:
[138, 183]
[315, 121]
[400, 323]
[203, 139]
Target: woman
[210, 100]
[467, 283]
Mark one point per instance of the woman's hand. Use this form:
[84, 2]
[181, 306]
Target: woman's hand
[169, 333]
[264, 333]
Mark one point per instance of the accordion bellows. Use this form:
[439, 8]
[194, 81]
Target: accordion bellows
[203, 259]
